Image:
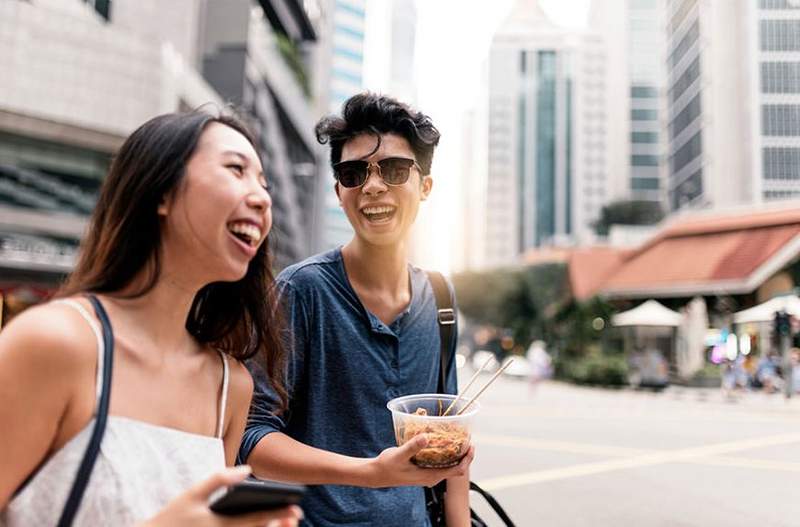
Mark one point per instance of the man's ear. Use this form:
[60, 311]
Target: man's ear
[427, 185]
[338, 190]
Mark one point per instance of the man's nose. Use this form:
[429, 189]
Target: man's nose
[374, 183]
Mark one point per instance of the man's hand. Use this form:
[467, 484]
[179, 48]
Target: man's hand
[393, 467]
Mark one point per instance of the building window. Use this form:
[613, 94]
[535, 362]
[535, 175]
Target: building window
[339, 73]
[781, 194]
[780, 120]
[780, 77]
[644, 183]
[685, 44]
[686, 153]
[349, 31]
[686, 79]
[685, 117]
[778, 4]
[353, 10]
[644, 115]
[644, 161]
[348, 53]
[781, 163]
[780, 35]
[680, 14]
[644, 92]
[545, 146]
[644, 137]
[687, 191]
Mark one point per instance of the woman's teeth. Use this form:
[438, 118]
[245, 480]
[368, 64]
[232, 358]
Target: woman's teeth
[247, 232]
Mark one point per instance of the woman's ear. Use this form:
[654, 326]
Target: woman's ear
[164, 204]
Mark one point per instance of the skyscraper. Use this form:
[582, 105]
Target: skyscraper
[777, 69]
[645, 44]
[77, 78]
[734, 117]
[708, 135]
[342, 67]
[80, 75]
[254, 54]
[547, 164]
[633, 33]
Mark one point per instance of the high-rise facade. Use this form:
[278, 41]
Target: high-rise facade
[633, 34]
[777, 69]
[77, 78]
[547, 168]
[709, 140]
[255, 55]
[80, 75]
[734, 116]
[342, 70]
[645, 49]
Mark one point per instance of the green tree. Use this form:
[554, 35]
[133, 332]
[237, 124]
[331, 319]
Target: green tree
[521, 299]
[628, 213]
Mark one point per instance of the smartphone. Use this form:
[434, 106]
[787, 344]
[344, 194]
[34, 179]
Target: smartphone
[253, 495]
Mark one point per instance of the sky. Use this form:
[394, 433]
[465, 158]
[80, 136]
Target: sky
[450, 51]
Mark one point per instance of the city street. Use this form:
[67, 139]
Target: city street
[570, 456]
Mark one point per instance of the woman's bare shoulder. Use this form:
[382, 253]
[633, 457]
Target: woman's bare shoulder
[52, 334]
[241, 383]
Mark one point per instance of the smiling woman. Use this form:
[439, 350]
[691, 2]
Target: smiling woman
[176, 268]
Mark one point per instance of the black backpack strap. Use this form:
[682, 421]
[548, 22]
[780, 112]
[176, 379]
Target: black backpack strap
[89, 458]
[446, 319]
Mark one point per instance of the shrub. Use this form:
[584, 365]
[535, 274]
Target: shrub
[595, 369]
[707, 376]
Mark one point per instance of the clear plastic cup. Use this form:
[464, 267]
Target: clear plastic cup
[448, 436]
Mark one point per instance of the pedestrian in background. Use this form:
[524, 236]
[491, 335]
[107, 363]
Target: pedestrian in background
[175, 255]
[364, 330]
[539, 362]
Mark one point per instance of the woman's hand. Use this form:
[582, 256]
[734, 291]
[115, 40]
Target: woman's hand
[191, 507]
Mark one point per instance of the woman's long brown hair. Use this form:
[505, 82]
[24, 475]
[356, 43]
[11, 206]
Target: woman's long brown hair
[122, 245]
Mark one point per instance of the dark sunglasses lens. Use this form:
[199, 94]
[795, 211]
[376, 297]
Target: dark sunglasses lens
[351, 174]
[395, 170]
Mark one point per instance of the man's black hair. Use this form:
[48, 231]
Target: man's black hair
[375, 114]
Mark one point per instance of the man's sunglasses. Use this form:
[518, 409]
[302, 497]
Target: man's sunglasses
[393, 171]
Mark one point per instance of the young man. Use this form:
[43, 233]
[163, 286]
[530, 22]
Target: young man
[363, 329]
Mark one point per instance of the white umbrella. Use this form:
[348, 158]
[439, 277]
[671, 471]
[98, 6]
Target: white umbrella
[766, 312]
[651, 313]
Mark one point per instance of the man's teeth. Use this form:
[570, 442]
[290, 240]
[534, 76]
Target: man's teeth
[377, 210]
[250, 232]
